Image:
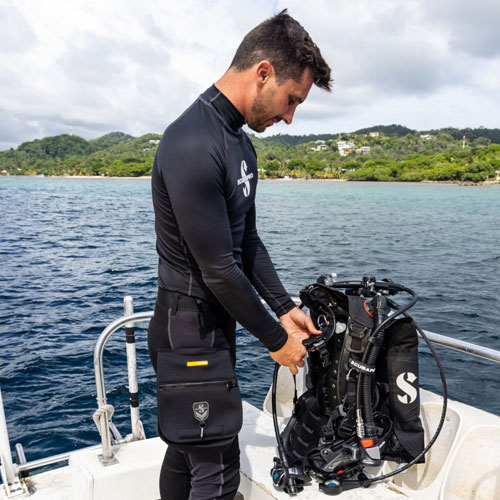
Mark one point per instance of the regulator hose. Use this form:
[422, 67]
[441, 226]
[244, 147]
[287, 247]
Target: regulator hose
[291, 487]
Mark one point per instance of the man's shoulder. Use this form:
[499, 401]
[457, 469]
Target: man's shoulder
[198, 120]
[194, 138]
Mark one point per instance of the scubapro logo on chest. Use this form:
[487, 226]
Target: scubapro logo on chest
[245, 179]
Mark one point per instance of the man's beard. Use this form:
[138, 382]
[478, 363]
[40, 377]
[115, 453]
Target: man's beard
[259, 114]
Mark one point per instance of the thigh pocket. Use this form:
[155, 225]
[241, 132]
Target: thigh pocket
[199, 402]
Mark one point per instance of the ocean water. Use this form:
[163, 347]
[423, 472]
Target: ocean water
[71, 249]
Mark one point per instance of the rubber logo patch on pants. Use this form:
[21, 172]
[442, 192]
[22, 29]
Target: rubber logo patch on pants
[200, 410]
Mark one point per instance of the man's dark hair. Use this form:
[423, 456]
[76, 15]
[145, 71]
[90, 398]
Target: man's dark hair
[287, 46]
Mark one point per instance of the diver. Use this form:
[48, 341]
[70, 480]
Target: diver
[212, 261]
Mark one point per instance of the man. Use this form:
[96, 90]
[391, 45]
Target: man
[211, 259]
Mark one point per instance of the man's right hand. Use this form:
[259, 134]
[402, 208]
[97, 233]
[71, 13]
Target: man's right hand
[291, 354]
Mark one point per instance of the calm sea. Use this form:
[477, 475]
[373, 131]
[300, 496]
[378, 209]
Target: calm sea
[71, 249]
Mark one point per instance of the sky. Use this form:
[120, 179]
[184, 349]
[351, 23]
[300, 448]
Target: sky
[95, 67]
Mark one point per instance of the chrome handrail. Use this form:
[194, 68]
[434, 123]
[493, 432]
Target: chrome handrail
[54, 459]
[105, 412]
[463, 346]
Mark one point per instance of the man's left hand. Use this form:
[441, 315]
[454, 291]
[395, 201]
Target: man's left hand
[298, 324]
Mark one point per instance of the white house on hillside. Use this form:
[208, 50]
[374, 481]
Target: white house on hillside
[345, 147]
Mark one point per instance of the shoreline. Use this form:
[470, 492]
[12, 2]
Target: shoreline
[300, 179]
[282, 179]
[78, 176]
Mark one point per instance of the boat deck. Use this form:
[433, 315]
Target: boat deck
[258, 447]
[463, 464]
[52, 485]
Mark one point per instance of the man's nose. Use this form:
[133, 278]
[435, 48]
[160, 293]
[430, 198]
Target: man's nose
[288, 116]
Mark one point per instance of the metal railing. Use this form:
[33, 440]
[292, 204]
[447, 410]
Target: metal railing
[463, 346]
[104, 413]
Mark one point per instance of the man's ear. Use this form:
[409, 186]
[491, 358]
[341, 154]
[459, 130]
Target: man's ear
[263, 72]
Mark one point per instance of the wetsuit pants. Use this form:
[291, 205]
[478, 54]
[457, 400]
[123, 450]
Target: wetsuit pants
[196, 475]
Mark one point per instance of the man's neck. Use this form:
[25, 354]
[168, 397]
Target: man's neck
[235, 86]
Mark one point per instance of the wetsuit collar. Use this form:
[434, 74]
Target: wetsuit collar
[224, 107]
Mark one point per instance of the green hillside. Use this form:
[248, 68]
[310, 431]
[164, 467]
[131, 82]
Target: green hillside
[109, 140]
[384, 153]
[115, 154]
[416, 156]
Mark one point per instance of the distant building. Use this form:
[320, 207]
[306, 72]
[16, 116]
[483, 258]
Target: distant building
[319, 141]
[345, 147]
[498, 174]
[364, 150]
[321, 147]
[4, 172]
[425, 136]
[374, 134]
[154, 141]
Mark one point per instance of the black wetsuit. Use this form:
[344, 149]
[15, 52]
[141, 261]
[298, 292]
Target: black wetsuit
[204, 181]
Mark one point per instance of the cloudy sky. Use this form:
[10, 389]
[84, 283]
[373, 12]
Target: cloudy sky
[108, 65]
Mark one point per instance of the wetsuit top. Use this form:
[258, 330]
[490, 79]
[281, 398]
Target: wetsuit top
[203, 182]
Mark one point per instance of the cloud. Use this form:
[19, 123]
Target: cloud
[16, 34]
[471, 27]
[381, 46]
[404, 62]
[107, 65]
[16, 125]
[12, 126]
[128, 66]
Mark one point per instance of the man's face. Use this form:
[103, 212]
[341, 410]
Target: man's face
[278, 102]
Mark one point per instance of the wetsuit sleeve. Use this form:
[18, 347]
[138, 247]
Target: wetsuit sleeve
[199, 205]
[260, 270]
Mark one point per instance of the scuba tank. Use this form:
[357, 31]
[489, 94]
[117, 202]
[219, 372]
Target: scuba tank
[361, 404]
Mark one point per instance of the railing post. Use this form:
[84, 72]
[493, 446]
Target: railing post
[5, 455]
[102, 416]
[104, 412]
[11, 483]
[137, 428]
